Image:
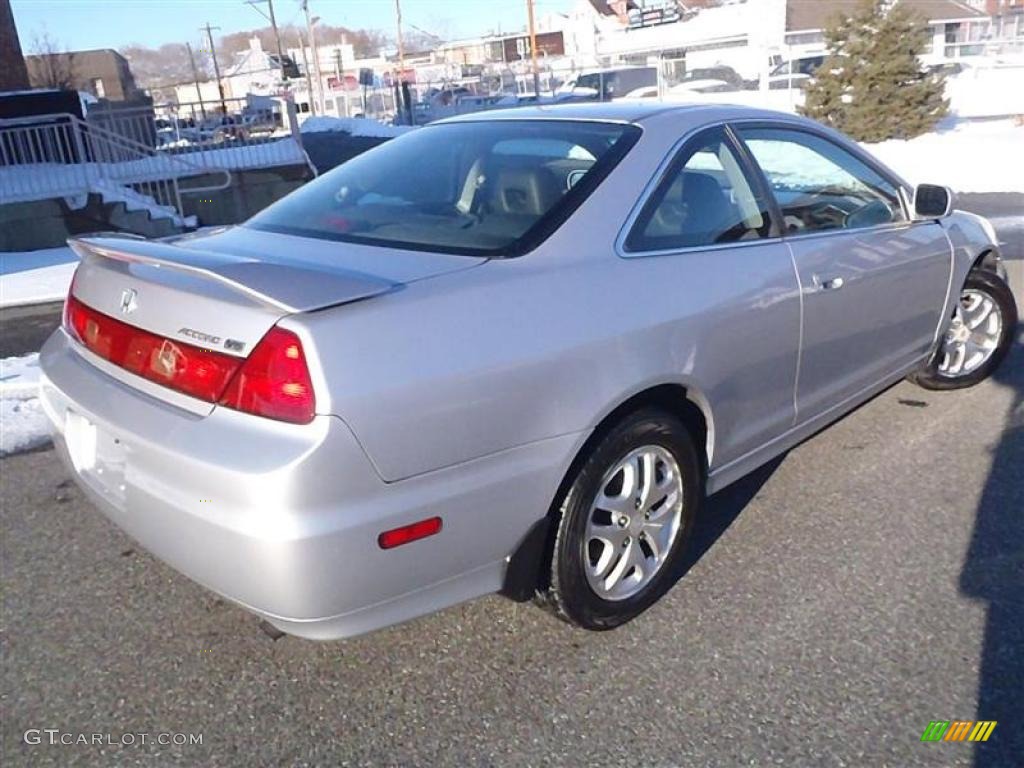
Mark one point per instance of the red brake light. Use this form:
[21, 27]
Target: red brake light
[183, 367]
[274, 381]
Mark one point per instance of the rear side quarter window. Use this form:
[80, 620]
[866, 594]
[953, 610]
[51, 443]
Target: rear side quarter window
[706, 198]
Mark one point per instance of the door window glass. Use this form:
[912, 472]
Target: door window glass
[820, 186]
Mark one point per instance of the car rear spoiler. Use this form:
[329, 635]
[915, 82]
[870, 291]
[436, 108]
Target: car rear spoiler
[285, 287]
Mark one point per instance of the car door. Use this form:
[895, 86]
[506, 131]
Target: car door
[873, 282]
[707, 231]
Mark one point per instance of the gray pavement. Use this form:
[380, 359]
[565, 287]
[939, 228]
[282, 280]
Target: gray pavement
[837, 602]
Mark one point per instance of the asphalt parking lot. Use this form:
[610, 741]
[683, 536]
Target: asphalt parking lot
[837, 601]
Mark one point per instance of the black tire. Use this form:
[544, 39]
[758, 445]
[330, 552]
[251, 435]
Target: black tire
[569, 595]
[990, 284]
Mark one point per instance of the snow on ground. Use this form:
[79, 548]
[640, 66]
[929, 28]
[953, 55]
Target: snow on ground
[354, 126]
[969, 156]
[23, 425]
[35, 277]
[19, 261]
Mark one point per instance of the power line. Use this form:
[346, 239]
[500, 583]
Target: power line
[273, 24]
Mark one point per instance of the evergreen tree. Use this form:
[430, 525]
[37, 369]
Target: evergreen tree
[872, 85]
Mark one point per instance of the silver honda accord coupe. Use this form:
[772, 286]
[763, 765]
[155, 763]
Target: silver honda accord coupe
[508, 352]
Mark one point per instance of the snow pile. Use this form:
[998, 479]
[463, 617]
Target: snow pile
[36, 277]
[987, 90]
[23, 425]
[969, 156]
[353, 126]
[263, 154]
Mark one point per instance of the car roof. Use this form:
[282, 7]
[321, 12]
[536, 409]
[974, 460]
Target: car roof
[625, 111]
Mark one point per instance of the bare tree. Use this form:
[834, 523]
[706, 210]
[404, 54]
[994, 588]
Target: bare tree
[53, 65]
[162, 67]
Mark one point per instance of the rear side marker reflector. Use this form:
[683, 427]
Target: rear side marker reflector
[408, 533]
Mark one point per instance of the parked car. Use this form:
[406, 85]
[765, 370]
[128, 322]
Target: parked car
[794, 73]
[609, 84]
[227, 127]
[947, 68]
[261, 122]
[506, 352]
[703, 78]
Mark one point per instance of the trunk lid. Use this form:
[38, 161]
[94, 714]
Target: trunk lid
[223, 291]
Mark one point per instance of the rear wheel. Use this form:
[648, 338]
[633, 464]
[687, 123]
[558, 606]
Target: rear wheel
[624, 522]
[978, 337]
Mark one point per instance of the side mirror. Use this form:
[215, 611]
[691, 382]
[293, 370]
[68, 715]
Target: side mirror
[932, 201]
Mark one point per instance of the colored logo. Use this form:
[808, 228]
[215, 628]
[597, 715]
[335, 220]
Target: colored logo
[958, 730]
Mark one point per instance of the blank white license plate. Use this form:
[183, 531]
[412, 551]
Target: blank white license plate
[97, 456]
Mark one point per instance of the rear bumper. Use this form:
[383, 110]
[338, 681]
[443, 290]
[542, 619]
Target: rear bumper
[283, 519]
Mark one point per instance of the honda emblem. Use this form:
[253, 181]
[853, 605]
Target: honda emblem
[129, 301]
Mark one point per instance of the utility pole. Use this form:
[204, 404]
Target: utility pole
[533, 49]
[195, 76]
[400, 106]
[273, 24]
[305, 66]
[277, 37]
[401, 45]
[316, 56]
[216, 67]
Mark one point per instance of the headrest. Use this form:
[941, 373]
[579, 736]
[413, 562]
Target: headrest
[525, 191]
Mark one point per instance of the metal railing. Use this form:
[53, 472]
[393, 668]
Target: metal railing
[258, 137]
[60, 155]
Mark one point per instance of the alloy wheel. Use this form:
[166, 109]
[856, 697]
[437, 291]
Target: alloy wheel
[973, 334]
[633, 522]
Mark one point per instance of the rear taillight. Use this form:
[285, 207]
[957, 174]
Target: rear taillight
[183, 367]
[274, 381]
[65, 319]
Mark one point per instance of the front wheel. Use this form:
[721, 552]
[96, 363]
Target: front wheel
[624, 522]
[978, 337]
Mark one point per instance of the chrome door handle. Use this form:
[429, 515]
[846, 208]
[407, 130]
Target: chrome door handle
[829, 284]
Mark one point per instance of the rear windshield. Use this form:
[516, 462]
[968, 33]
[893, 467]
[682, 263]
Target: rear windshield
[488, 188]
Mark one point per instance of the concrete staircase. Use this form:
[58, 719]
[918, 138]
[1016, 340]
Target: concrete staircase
[29, 226]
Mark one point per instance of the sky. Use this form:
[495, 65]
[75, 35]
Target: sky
[85, 24]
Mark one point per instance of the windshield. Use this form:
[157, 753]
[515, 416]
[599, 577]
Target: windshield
[480, 188]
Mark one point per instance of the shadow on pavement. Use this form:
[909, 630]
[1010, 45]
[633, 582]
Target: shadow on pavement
[722, 509]
[993, 571]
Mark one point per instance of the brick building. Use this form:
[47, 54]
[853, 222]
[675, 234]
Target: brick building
[104, 73]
